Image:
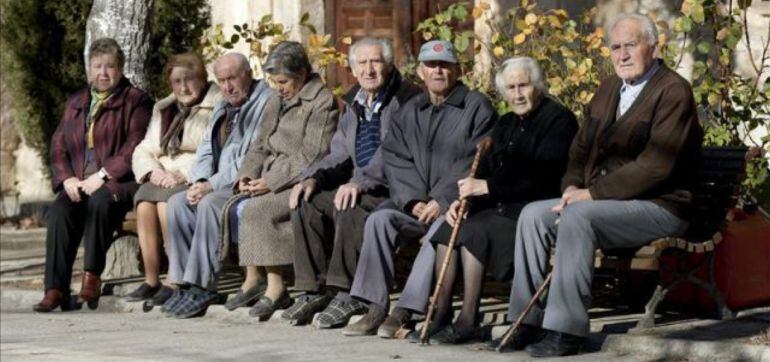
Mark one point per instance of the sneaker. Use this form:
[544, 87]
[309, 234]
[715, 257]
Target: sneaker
[397, 319]
[338, 312]
[305, 307]
[368, 324]
[143, 292]
[195, 305]
[243, 298]
[265, 307]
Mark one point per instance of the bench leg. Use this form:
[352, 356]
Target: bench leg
[648, 320]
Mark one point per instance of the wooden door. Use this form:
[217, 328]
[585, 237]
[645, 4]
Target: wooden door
[392, 19]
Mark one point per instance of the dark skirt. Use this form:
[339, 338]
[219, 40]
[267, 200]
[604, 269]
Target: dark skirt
[489, 236]
[151, 193]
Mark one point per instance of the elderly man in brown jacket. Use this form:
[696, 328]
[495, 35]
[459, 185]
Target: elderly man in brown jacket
[628, 182]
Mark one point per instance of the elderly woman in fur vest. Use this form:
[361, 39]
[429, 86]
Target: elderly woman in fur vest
[162, 160]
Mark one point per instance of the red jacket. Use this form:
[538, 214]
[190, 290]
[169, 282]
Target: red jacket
[121, 124]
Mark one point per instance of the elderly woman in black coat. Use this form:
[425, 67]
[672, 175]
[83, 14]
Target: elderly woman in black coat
[525, 163]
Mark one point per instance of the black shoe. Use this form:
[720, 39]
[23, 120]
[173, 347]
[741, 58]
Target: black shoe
[265, 307]
[556, 344]
[452, 335]
[163, 294]
[525, 336]
[243, 298]
[143, 292]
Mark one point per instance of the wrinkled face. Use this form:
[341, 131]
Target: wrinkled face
[233, 80]
[187, 87]
[370, 69]
[285, 85]
[439, 77]
[520, 94]
[632, 56]
[104, 73]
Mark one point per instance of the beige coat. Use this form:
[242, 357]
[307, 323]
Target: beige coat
[147, 155]
[290, 139]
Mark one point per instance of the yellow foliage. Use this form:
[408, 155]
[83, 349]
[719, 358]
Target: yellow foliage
[530, 19]
[554, 21]
[347, 40]
[722, 33]
[519, 38]
[477, 12]
[498, 51]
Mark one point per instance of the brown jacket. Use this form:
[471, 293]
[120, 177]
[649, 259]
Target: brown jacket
[650, 153]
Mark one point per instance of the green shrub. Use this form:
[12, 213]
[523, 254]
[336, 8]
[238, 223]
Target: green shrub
[41, 61]
[177, 26]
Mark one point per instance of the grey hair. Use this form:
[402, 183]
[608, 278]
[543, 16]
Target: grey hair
[243, 62]
[107, 46]
[526, 63]
[649, 30]
[385, 46]
[289, 58]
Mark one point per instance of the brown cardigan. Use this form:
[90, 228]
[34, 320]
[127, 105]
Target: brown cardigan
[650, 153]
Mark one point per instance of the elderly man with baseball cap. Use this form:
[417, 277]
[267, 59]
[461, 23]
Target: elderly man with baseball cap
[430, 146]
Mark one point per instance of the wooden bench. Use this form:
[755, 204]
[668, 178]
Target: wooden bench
[721, 172]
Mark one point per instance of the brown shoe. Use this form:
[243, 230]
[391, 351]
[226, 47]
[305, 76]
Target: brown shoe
[368, 324]
[397, 319]
[53, 299]
[90, 290]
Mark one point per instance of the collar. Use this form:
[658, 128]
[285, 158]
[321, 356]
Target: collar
[385, 93]
[455, 98]
[111, 102]
[311, 88]
[643, 80]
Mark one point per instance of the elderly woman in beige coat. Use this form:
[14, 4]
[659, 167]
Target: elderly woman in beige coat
[296, 128]
[161, 161]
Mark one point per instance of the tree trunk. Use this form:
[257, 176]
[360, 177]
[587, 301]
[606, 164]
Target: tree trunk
[129, 23]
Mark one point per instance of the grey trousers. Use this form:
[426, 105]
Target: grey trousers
[384, 231]
[193, 233]
[582, 228]
[419, 284]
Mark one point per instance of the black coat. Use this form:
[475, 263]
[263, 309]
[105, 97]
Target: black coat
[525, 163]
[528, 157]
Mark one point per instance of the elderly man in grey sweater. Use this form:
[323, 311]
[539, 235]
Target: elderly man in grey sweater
[337, 193]
[194, 215]
[430, 146]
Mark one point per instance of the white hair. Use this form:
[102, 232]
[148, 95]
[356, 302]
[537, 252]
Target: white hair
[526, 63]
[243, 62]
[383, 43]
[649, 30]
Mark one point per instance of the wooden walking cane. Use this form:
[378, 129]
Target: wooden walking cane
[509, 333]
[481, 148]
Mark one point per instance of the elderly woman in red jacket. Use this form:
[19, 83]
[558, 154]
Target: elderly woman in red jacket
[91, 174]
